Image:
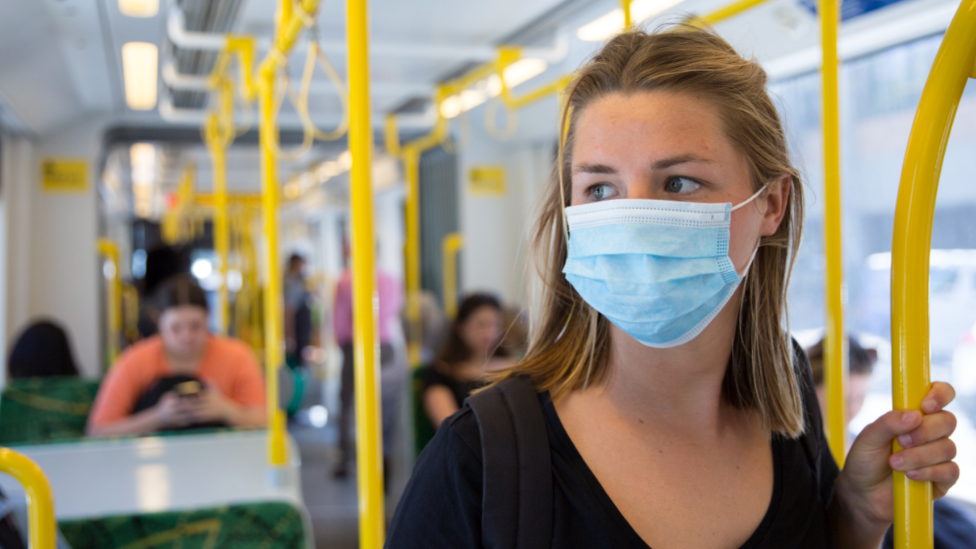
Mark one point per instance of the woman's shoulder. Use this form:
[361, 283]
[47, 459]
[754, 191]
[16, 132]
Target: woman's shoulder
[441, 506]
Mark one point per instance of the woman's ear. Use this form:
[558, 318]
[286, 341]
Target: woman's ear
[777, 198]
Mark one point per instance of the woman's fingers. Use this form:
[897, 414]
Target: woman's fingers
[878, 435]
[933, 427]
[927, 455]
[938, 397]
[944, 475]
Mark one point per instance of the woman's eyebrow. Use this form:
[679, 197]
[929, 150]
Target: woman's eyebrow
[593, 168]
[665, 163]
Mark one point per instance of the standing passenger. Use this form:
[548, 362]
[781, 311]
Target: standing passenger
[298, 313]
[390, 296]
[676, 410]
[183, 377]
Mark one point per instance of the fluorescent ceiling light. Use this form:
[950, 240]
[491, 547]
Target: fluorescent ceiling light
[451, 106]
[142, 156]
[610, 24]
[523, 70]
[140, 61]
[139, 8]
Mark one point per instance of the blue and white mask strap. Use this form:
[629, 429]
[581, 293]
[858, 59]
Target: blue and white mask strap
[751, 198]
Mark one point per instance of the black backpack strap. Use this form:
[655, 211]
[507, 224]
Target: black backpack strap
[516, 511]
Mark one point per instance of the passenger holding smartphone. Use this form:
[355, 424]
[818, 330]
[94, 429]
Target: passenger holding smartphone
[673, 408]
[184, 377]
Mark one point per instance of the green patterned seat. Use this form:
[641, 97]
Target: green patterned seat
[272, 525]
[45, 409]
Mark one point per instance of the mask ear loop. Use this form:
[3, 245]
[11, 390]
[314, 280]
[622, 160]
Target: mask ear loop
[755, 250]
[751, 198]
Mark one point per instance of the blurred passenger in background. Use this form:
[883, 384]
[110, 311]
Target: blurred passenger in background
[42, 350]
[298, 312]
[162, 263]
[515, 331]
[473, 347]
[954, 526]
[184, 377]
[860, 366]
[432, 326]
[389, 292]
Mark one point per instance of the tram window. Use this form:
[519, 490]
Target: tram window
[879, 96]
[942, 281]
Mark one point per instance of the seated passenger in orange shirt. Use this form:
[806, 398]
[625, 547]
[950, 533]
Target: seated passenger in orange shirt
[184, 377]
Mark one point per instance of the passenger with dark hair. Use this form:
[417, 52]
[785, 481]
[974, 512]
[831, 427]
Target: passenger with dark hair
[184, 377]
[42, 350]
[473, 346]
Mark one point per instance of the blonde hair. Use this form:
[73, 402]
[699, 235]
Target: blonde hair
[570, 345]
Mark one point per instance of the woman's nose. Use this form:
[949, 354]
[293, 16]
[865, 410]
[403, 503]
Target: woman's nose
[640, 188]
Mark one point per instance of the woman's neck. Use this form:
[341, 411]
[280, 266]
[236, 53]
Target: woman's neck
[679, 389]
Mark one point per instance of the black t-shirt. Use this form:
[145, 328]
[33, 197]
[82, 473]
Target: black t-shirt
[460, 389]
[441, 507]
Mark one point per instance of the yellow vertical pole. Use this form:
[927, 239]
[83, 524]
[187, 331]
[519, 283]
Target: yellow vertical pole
[221, 235]
[911, 244]
[411, 165]
[369, 442]
[41, 528]
[450, 246]
[108, 249]
[273, 336]
[217, 144]
[625, 4]
[835, 370]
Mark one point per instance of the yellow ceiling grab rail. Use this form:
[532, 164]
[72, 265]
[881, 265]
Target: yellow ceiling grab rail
[291, 19]
[450, 247]
[954, 65]
[41, 528]
[110, 250]
[218, 133]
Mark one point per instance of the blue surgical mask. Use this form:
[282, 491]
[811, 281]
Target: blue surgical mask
[657, 269]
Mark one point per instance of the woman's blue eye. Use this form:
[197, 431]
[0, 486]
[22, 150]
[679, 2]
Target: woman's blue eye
[602, 191]
[681, 185]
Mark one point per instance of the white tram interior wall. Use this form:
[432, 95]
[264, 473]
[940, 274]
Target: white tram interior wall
[48, 241]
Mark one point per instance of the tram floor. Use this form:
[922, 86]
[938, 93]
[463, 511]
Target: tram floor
[332, 503]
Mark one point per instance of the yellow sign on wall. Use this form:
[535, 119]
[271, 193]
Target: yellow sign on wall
[487, 181]
[60, 175]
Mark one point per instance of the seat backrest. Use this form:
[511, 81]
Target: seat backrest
[267, 525]
[45, 409]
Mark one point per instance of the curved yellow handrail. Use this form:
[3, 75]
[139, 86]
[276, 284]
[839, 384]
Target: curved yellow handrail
[953, 66]
[450, 246]
[110, 250]
[41, 528]
[291, 20]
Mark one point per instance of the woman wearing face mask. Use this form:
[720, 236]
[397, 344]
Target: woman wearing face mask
[181, 378]
[471, 349]
[677, 410]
